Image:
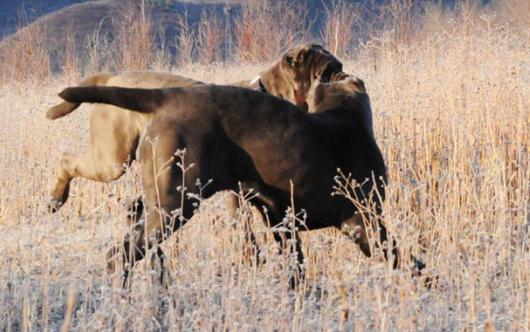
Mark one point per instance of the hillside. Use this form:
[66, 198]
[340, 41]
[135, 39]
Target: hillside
[118, 34]
[13, 13]
[82, 18]
[16, 13]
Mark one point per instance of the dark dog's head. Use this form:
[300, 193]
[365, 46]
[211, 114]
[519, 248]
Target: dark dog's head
[340, 86]
[292, 76]
[345, 92]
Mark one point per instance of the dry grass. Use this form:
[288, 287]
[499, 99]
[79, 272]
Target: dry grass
[338, 31]
[452, 116]
[24, 57]
[133, 37]
[267, 27]
[211, 33]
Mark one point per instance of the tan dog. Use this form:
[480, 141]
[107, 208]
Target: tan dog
[239, 139]
[115, 132]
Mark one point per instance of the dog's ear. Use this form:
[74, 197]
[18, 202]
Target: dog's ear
[351, 84]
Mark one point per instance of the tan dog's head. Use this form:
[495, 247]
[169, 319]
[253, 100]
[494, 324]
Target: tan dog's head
[292, 76]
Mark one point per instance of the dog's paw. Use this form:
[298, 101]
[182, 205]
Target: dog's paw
[54, 205]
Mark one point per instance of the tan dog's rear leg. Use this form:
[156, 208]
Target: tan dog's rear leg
[113, 142]
[71, 166]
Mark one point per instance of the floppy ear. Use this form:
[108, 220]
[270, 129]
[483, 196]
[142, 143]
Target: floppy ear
[356, 85]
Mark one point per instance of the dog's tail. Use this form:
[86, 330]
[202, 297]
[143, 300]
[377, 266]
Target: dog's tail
[139, 100]
[65, 107]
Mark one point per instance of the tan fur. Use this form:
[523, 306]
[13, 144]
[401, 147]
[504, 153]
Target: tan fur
[115, 132]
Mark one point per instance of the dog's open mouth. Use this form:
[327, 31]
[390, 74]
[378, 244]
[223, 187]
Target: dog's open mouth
[326, 75]
[331, 69]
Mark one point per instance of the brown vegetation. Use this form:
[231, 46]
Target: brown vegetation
[134, 38]
[211, 36]
[338, 31]
[267, 28]
[24, 57]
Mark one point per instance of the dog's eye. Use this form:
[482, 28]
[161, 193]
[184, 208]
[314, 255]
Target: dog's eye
[289, 60]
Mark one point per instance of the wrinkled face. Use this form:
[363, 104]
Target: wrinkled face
[303, 64]
[339, 84]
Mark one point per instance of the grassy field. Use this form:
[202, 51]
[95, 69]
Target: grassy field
[452, 116]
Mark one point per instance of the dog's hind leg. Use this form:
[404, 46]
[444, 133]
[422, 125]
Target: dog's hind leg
[160, 222]
[141, 237]
[113, 143]
[135, 211]
[71, 166]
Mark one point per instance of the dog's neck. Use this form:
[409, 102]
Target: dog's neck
[350, 105]
[275, 83]
[257, 84]
[348, 108]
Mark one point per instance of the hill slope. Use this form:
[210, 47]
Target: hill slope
[83, 18]
[13, 13]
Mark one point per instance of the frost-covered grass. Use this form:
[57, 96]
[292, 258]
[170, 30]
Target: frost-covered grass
[452, 117]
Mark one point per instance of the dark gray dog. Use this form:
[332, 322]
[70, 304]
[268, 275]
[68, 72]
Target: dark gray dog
[247, 139]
